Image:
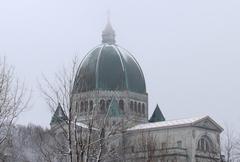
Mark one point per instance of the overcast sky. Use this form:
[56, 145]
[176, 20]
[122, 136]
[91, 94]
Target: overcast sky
[189, 51]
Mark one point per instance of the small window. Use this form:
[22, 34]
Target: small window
[164, 145]
[91, 106]
[82, 107]
[102, 106]
[132, 148]
[77, 107]
[108, 104]
[139, 108]
[179, 144]
[143, 108]
[135, 106]
[86, 106]
[121, 105]
[131, 106]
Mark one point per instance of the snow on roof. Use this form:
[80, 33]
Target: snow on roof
[169, 123]
[81, 125]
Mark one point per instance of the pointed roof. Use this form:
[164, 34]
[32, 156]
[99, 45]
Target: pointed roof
[108, 34]
[157, 115]
[59, 115]
[114, 110]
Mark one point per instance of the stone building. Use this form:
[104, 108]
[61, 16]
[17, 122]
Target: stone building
[110, 74]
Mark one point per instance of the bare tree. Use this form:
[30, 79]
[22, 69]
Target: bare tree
[44, 145]
[237, 149]
[214, 153]
[14, 98]
[229, 144]
[147, 146]
[60, 92]
[234, 140]
[95, 138]
[86, 141]
[32, 143]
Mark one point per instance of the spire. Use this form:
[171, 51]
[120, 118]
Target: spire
[157, 115]
[59, 115]
[108, 34]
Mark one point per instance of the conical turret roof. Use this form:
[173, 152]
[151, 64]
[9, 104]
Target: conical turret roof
[157, 115]
[59, 115]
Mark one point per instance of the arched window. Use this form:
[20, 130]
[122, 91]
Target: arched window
[102, 106]
[143, 108]
[121, 105]
[77, 107]
[135, 106]
[131, 106]
[139, 108]
[108, 104]
[91, 106]
[204, 144]
[82, 107]
[86, 106]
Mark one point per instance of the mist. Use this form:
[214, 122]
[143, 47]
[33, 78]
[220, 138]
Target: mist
[188, 50]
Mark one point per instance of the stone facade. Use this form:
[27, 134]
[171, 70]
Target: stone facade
[178, 140]
[134, 105]
[110, 74]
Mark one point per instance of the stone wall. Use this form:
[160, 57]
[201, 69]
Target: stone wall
[179, 143]
[95, 97]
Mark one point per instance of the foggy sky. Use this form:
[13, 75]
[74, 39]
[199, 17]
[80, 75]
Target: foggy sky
[189, 51]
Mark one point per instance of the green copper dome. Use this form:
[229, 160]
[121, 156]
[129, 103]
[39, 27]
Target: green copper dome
[109, 67]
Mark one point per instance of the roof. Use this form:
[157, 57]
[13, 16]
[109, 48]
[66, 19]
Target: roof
[82, 125]
[109, 67]
[59, 115]
[174, 123]
[157, 115]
